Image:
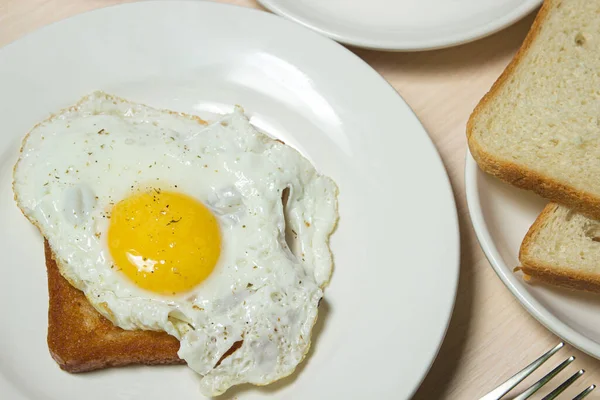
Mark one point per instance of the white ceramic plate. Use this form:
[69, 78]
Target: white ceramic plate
[391, 296]
[501, 216]
[403, 25]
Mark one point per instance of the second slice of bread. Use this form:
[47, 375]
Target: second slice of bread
[563, 248]
[80, 339]
[538, 128]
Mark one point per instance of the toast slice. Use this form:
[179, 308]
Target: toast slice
[538, 127]
[80, 339]
[563, 248]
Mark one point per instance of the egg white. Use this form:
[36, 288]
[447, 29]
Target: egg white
[75, 166]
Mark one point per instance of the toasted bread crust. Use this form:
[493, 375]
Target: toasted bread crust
[81, 340]
[517, 175]
[553, 274]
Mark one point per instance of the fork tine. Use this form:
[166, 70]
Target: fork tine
[536, 386]
[584, 393]
[554, 394]
[501, 390]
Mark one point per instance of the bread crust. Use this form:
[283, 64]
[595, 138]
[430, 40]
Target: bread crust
[562, 277]
[520, 176]
[81, 340]
[553, 274]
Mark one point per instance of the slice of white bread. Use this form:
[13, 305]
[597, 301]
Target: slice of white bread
[562, 248]
[538, 128]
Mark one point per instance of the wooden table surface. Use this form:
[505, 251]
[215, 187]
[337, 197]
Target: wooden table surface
[490, 334]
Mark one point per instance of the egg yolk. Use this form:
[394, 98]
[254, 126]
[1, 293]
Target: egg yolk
[165, 242]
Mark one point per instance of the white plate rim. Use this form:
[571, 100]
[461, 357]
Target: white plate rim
[469, 35]
[455, 245]
[505, 273]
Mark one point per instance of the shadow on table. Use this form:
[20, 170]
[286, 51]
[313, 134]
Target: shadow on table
[447, 61]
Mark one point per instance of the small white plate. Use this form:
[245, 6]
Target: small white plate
[501, 216]
[403, 25]
[386, 311]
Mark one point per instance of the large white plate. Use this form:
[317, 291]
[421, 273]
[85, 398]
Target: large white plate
[501, 216]
[396, 246]
[405, 25]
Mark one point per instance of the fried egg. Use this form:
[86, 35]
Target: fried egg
[169, 223]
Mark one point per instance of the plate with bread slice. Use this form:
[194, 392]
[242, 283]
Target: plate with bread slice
[193, 208]
[533, 170]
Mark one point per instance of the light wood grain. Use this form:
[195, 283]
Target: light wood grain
[490, 335]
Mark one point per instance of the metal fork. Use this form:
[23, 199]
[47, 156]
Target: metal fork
[507, 386]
